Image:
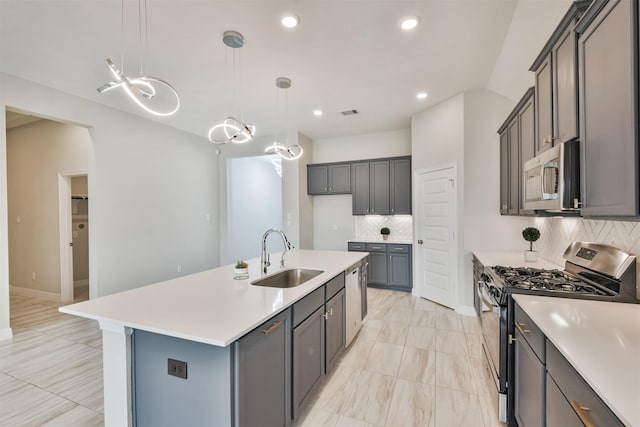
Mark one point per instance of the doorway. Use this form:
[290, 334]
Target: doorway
[436, 254]
[43, 156]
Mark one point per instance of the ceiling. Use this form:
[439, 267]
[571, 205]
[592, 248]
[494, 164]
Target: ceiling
[345, 54]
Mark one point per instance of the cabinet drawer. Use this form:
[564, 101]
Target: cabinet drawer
[307, 305]
[531, 333]
[399, 249]
[334, 285]
[376, 247]
[577, 391]
[356, 247]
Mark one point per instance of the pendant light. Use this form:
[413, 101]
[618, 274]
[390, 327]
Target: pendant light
[232, 128]
[284, 150]
[144, 89]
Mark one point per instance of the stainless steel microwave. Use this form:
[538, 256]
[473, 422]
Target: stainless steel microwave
[551, 180]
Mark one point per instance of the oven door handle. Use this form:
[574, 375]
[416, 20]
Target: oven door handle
[486, 299]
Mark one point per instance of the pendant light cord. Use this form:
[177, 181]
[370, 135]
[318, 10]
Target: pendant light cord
[122, 36]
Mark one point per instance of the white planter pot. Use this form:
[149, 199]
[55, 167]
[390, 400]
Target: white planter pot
[530, 256]
[241, 273]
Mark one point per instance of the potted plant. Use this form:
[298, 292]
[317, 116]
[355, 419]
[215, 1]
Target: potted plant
[241, 269]
[385, 233]
[531, 234]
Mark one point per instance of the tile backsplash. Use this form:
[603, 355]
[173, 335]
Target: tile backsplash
[368, 226]
[557, 233]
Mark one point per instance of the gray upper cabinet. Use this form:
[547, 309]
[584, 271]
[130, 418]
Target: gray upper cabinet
[516, 147]
[400, 193]
[544, 102]
[382, 187]
[379, 187]
[608, 55]
[334, 178]
[556, 72]
[360, 185]
[263, 374]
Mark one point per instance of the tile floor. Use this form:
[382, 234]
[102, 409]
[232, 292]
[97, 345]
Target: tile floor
[413, 363]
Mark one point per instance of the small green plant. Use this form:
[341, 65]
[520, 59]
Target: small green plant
[385, 231]
[531, 234]
[241, 264]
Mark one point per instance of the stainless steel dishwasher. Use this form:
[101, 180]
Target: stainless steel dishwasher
[353, 291]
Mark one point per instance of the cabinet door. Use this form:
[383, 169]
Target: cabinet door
[514, 168]
[317, 179]
[363, 287]
[335, 329]
[400, 266]
[360, 188]
[379, 188]
[377, 273]
[529, 385]
[340, 178]
[544, 106]
[504, 172]
[400, 186]
[558, 411]
[608, 114]
[263, 374]
[308, 358]
[565, 100]
[526, 119]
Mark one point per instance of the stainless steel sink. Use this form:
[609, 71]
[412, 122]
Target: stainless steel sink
[289, 278]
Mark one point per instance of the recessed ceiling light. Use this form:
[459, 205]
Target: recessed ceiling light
[421, 95]
[409, 23]
[317, 113]
[290, 21]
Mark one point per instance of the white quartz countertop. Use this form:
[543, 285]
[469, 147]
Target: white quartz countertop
[390, 240]
[512, 259]
[602, 342]
[211, 306]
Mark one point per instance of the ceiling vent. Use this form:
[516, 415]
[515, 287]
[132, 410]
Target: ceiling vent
[349, 112]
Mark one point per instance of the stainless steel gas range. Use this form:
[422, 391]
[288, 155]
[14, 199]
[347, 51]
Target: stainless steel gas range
[592, 271]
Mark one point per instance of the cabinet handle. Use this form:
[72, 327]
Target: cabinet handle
[520, 327]
[272, 328]
[398, 249]
[376, 247]
[325, 188]
[331, 311]
[329, 188]
[511, 339]
[326, 316]
[580, 410]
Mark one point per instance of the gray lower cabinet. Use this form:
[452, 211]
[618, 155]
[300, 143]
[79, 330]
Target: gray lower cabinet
[308, 358]
[335, 329]
[263, 374]
[608, 108]
[559, 411]
[529, 385]
[390, 265]
[529, 371]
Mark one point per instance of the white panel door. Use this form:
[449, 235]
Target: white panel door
[436, 222]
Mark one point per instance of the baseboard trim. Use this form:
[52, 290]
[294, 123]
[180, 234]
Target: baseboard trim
[6, 334]
[466, 310]
[49, 296]
[78, 283]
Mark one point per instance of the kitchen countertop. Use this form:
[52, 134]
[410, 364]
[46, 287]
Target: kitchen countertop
[512, 259]
[211, 306]
[390, 240]
[602, 342]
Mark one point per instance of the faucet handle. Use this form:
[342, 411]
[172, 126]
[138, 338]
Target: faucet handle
[268, 262]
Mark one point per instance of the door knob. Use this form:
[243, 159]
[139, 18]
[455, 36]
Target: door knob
[420, 242]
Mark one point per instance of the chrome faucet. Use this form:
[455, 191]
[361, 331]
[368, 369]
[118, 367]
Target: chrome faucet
[264, 256]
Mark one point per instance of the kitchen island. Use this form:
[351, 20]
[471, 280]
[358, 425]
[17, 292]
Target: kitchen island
[209, 311]
[601, 341]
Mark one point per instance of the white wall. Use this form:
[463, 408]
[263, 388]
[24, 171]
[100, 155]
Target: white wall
[36, 154]
[254, 204]
[331, 212]
[463, 130]
[151, 185]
